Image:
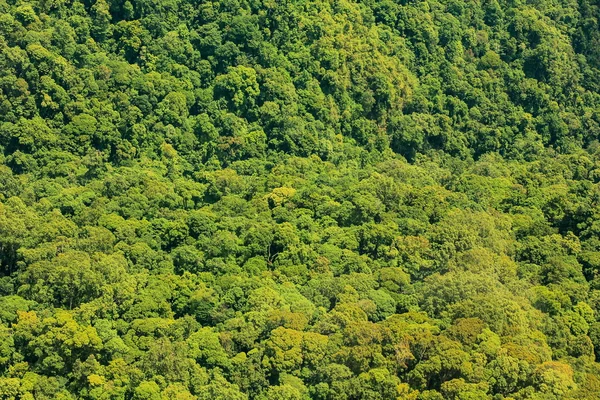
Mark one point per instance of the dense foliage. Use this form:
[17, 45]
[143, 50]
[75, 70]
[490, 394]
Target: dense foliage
[309, 199]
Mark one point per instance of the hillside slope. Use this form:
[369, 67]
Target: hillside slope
[299, 199]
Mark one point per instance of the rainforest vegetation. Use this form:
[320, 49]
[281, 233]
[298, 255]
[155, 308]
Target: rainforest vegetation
[299, 199]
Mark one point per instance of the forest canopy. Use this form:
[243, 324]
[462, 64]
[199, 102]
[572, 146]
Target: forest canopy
[293, 200]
